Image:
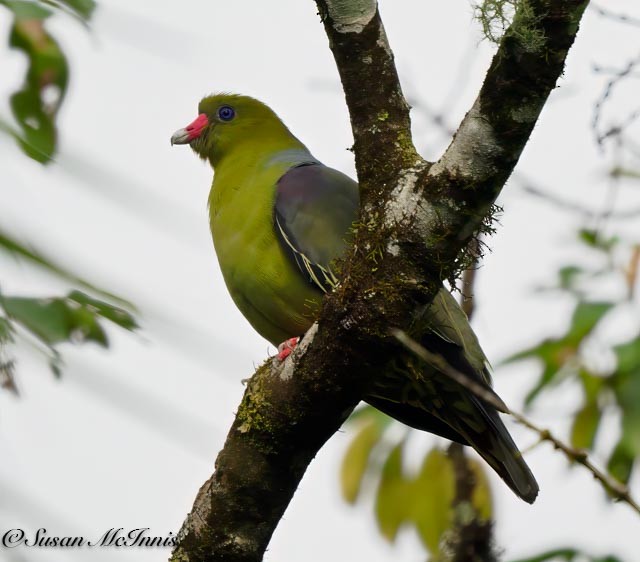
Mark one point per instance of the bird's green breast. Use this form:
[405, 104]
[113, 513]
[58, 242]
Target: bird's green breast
[262, 280]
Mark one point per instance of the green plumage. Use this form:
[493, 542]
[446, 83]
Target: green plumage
[278, 218]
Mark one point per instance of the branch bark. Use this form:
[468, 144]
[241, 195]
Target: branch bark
[416, 218]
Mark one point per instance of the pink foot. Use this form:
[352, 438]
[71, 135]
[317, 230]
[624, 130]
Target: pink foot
[286, 348]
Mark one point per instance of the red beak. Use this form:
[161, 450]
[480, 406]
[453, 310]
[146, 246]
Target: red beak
[191, 131]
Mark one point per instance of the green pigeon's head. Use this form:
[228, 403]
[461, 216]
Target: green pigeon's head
[227, 122]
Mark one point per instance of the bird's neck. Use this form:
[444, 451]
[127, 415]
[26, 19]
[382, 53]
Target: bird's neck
[258, 147]
[248, 174]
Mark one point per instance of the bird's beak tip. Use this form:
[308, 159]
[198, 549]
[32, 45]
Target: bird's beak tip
[181, 136]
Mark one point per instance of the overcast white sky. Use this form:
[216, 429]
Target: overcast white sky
[127, 436]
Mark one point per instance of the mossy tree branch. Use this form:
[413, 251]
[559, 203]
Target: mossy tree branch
[416, 218]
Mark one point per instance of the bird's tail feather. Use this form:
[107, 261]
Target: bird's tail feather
[495, 446]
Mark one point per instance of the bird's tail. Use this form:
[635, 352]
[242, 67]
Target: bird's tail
[440, 405]
[492, 441]
[418, 393]
[464, 418]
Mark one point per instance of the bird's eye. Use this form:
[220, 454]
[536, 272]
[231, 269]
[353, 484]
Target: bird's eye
[226, 113]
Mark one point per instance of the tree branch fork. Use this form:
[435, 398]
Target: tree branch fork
[416, 218]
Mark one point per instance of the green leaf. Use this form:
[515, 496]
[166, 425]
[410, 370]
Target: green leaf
[621, 462]
[593, 239]
[82, 9]
[55, 320]
[625, 382]
[366, 412]
[27, 9]
[5, 331]
[434, 491]
[567, 555]
[75, 318]
[555, 353]
[117, 315]
[36, 104]
[585, 318]
[356, 459]
[567, 276]
[392, 498]
[619, 172]
[481, 497]
[7, 363]
[585, 426]
[558, 554]
[20, 250]
[628, 356]
[588, 236]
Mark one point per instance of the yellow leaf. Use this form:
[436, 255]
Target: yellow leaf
[393, 502]
[356, 459]
[481, 497]
[433, 492]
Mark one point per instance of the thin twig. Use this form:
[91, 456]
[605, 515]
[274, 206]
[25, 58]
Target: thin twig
[615, 16]
[632, 270]
[617, 490]
[616, 130]
[572, 206]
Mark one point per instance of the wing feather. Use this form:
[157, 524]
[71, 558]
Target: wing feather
[314, 209]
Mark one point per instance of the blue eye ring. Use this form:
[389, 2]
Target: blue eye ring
[226, 113]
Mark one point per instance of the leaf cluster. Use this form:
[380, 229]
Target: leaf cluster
[36, 103]
[568, 357]
[77, 317]
[424, 500]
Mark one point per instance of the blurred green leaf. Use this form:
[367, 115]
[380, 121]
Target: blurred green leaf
[75, 318]
[367, 412]
[621, 461]
[26, 9]
[568, 555]
[585, 317]
[435, 490]
[619, 172]
[594, 239]
[585, 426]
[626, 385]
[625, 382]
[393, 497]
[117, 315]
[628, 356]
[481, 497]
[55, 320]
[20, 250]
[36, 104]
[7, 364]
[587, 420]
[82, 9]
[356, 459]
[567, 276]
[554, 353]
[5, 330]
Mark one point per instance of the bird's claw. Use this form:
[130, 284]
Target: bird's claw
[286, 348]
